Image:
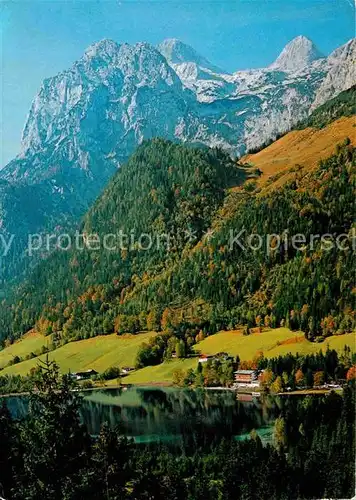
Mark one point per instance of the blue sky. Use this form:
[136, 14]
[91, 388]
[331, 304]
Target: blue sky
[41, 38]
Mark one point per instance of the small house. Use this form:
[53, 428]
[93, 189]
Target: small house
[127, 369]
[84, 375]
[203, 358]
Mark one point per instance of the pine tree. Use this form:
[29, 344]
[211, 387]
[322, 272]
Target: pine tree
[8, 452]
[56, 447]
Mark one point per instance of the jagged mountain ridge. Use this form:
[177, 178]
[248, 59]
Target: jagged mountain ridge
[104, 102]
[341, 74]
[177, 52]
[86, 121]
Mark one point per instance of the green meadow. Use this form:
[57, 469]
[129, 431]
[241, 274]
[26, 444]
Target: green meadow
[271, 342]
[102, 352]
[98, 353]
[30, 343]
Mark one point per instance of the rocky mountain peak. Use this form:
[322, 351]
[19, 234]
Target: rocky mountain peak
[177, 52]
[103, 48]
[127, 58]
[107, 73]
[144, 61]
[297, 54]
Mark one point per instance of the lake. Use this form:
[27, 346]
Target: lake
[170, 414]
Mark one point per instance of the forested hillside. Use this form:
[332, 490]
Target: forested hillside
[310, 288]
[344, 104]
[166, 194]
[203, 279]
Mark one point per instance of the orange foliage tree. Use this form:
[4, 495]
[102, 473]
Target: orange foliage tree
[351, 373]
[299, 377]
[166, 320]
[318, 378]
[266, 378]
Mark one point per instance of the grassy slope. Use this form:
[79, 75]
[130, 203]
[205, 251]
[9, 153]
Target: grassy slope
[271, 342]
[336, 342]
[31, 342]
[98, 353]
[161, 373]
[102, 352]
[302, 147]
[233, 342]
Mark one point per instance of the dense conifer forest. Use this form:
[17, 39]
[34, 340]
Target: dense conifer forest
[197, 276]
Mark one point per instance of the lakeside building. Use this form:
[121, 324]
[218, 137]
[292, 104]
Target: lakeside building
[247, 377]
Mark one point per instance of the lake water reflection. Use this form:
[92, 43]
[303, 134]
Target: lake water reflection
[170, 414]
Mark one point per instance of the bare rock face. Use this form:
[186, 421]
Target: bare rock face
[115, 94]
[296, 55]
[340, 75]
[87, 120]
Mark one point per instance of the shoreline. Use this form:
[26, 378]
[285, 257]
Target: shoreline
[163, 385]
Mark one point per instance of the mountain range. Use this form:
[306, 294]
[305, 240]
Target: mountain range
[85, 122]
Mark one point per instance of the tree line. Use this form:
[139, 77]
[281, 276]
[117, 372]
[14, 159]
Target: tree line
[287, 372]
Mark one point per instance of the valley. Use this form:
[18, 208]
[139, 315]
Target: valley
[197, 287]
[177, 251]
[106, 351]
